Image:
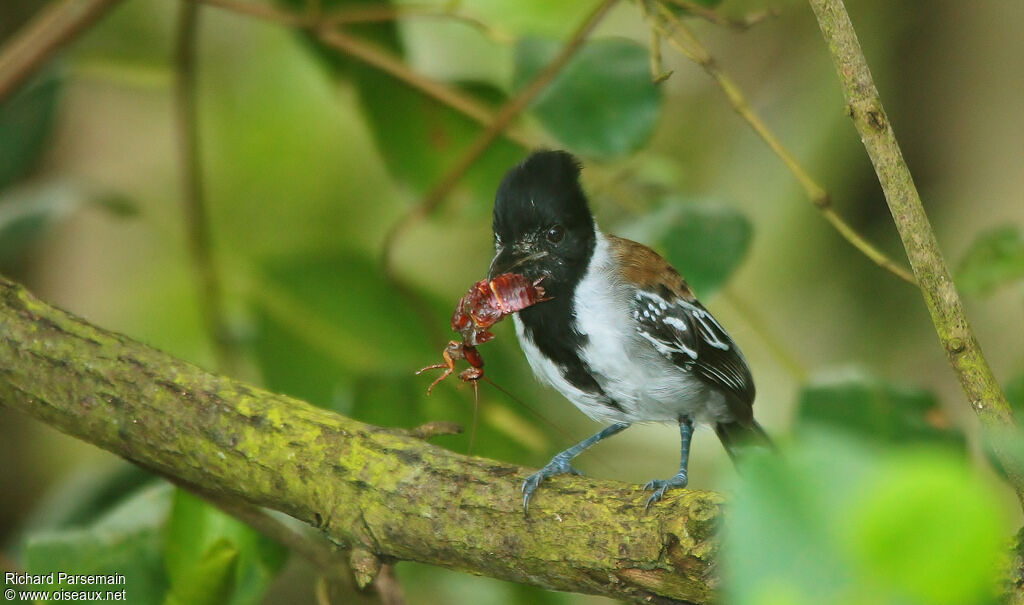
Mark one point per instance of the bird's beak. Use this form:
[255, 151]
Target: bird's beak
[513, 259]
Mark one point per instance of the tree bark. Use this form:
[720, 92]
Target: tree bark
[964, 353]
[383, 493]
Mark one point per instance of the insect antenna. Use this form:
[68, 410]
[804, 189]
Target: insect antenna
[476, 416]
[544, 419]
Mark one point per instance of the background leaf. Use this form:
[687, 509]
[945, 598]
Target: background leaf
[213, 558]
[994, 259]
[128, 540]
[850, 525]
[705, 241]
[430, 136]
[26, 120]
[603, 104]
[876, 410]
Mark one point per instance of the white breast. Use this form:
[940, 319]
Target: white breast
[648, 387]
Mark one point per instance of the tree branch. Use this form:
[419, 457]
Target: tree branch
[53, 28]
[380, 492]
[679, 36]
[940, 295]
[197, 220]
[502, 120]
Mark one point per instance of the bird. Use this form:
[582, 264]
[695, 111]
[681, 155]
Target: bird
[622, 335]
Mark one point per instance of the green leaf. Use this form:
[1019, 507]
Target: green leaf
[82, 497]
[705, 241]
[26, 120]
[213, 558]
[341, 309]
[603, 104]
[877, 410]
[994, 259]
[209, 580]
[833, 521]
[127, 541]
[419, 137]
[431, 137]
[1015, 395]
[926, 529]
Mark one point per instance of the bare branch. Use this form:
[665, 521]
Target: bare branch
[682, 39]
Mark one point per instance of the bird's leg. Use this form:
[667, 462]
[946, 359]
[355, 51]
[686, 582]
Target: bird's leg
[559, 465]
[679, 479]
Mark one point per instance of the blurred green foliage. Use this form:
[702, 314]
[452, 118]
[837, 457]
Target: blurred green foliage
[995, 258]
[212, 558]
[310, 156]
[837, 521]
[876, 410]
[126, 540]
[603, 104]
[26, 121]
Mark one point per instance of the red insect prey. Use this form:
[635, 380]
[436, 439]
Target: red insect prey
[484, 305]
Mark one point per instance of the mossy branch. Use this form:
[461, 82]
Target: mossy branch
[382, 493]
[865, 107]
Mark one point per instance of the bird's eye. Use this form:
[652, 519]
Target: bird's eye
[555, 234]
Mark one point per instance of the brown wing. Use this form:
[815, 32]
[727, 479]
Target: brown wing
[669, 317]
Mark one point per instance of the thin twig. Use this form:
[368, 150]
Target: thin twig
[658, 73]
[197, 221]
[375, 57]
[682, 39]
[53, 28]
[388, 587]
[264, 12]
[940, 295]
[388, 63]
[512, 108]
[712, 16]
[375, 13]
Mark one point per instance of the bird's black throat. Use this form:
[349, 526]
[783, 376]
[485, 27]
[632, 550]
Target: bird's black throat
[551, 326]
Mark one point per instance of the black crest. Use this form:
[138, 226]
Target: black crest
[543, 190]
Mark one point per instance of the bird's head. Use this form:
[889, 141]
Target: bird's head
[542, 224]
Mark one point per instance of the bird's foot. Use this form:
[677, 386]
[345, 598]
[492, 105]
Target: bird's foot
[557, 466]
[660, 486]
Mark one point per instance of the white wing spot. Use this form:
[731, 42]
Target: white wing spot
[709, 332]
[676, 323]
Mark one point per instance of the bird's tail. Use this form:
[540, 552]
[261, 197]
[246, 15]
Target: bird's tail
[739, 439]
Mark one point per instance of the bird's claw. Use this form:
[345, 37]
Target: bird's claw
[660, 486]
[555, 467]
